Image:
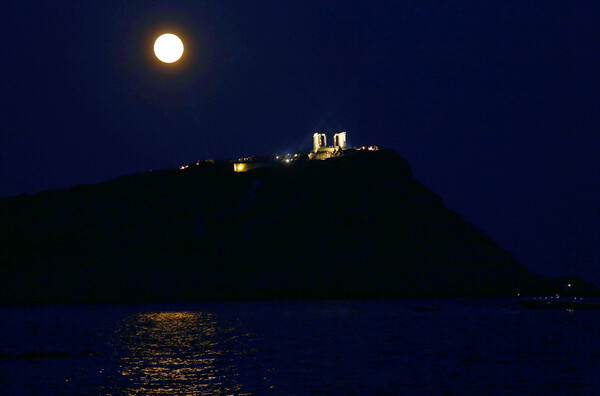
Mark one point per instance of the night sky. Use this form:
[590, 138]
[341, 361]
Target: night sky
[495, 104]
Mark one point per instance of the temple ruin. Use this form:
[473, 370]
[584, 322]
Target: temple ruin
[322, 151]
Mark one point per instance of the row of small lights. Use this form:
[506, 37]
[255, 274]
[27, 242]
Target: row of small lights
[551, 297]
[286, 158]
[370, 148]
[210, 161]
[545, 298]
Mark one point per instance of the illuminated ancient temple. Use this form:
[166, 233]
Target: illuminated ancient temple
[322, 151]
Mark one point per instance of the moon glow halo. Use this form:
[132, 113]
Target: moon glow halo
[168, 48]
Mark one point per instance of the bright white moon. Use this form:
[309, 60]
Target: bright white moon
[168, 48]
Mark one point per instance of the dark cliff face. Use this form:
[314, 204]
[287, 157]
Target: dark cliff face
[354, 226]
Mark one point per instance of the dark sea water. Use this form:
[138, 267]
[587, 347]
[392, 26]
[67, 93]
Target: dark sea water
[468, 346]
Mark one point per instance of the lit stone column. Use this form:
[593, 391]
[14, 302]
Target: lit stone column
[339, 140]
[319, 140]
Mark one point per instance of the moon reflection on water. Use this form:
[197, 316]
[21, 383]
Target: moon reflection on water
[179, 352]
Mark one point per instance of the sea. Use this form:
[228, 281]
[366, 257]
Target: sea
[457, 346]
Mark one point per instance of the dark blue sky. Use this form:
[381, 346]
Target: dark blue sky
[495, 104]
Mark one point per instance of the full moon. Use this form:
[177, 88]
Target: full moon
[168, 48]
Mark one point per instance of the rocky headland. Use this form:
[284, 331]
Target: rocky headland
[356, 226]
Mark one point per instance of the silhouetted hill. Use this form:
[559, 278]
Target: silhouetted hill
[354, 226]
